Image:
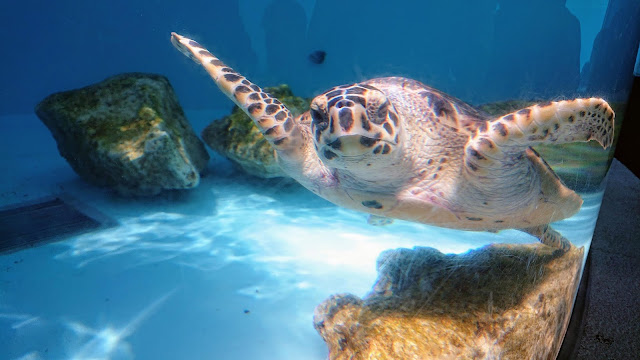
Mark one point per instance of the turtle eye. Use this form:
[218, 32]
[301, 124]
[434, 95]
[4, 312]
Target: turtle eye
[318, 117]
[381, 114]
[319, 123]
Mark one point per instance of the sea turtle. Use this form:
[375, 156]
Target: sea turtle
[396, 148]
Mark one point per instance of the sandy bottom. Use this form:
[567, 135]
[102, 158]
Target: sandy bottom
[230, 270]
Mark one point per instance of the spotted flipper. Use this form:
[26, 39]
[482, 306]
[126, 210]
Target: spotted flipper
[271, 117]
[499, 162]
[578, 120]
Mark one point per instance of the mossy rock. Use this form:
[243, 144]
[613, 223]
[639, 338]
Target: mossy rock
[236, 138]
[497, 302]
[128, 133]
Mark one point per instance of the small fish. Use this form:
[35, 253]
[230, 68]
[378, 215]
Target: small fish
[317, 57]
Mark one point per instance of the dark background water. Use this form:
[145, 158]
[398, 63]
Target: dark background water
[479, 51]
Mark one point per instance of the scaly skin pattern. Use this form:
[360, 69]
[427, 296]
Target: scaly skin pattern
[396, 148]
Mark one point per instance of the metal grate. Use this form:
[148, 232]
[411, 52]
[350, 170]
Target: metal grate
[36, 224]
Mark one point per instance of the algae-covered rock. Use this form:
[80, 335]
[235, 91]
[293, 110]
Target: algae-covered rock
[581, 165]
[497, 302]
[128, 133]
[236, 138]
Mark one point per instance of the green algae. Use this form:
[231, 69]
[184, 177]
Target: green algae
[114, 133]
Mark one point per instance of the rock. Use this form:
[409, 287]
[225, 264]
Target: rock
[128, 133]
[236, 138]
[497, 302]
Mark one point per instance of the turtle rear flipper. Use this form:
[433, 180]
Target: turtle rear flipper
[377, 220]
[273, 119]
[549, 236]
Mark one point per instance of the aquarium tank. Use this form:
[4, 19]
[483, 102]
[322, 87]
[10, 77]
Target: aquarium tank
[300, 179]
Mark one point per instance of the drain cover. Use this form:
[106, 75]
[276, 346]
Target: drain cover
[35, 224]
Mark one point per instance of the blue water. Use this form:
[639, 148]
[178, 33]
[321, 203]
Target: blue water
[174, 279]
[465, 48]
[234, 268]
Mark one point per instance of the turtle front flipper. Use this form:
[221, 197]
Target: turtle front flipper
[578, 120]
[271, 117]
[507, 139]
[502, 169]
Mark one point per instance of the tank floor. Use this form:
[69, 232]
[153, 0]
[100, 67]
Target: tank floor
[611, 323]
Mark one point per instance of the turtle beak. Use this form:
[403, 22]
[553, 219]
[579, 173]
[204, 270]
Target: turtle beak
[351, 145]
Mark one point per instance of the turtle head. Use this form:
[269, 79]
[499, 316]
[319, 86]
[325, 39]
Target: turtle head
[354, 124]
